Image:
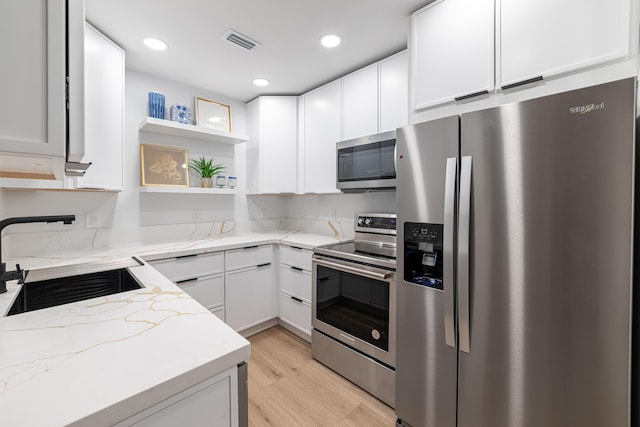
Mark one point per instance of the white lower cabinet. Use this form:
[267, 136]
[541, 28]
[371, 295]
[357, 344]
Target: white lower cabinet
[213, 402]
[207, 290]
[249, 287]
[295, 290]
[249, 297]
[200, 276]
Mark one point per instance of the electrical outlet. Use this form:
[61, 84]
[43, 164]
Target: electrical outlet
[91, 220]
[195, 215]
[332, 214]
[265, 213]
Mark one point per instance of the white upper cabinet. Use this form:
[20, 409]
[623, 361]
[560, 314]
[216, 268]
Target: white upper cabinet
[375, 98]
[322, 130]
[104, 112]
[550, 37]
[360, 103]
[32, 45]
[452, 51]
[272, 123]
[393, 75]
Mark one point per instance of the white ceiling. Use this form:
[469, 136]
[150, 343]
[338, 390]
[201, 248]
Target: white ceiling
[290, 57]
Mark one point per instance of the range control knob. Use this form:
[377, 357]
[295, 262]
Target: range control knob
[360, 220]
[367, 221]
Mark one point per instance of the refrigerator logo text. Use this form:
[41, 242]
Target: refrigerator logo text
[584, 109]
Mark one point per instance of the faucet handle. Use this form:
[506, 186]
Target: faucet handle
[22, 274]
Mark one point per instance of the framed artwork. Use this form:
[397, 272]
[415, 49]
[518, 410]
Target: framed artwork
[163, 166]
[213, 115]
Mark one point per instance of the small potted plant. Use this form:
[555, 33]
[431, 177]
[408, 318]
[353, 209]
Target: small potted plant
[206, 169]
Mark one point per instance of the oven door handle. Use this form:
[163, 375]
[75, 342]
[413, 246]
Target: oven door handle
[365, 271]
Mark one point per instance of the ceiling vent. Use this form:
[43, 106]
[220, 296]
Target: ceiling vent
[240, 40]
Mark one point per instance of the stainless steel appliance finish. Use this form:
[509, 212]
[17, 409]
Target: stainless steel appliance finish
[243, 395]
[531, 325]
[354, 307]
[366, 163]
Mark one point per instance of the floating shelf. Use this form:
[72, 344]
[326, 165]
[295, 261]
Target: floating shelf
[193, 190]
[168, 127]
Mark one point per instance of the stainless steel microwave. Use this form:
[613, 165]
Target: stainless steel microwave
[367, 163]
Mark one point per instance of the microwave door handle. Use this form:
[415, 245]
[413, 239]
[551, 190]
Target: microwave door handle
[349, 269]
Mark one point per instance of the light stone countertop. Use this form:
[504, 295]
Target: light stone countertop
[97, 361]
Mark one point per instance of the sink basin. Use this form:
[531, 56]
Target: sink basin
[63, 290]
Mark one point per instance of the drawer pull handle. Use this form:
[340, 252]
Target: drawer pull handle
[263, 265]
[250, 247]
[186, 256]
[295, 299]
[296, 268]
[179, 282]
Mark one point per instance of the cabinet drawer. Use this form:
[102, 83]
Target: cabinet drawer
[190, 267]
[208, 291]
[296, 313]
[296, 282]
[296, 257]
[247, 257]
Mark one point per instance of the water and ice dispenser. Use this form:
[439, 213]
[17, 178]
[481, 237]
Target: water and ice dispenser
[423, 254]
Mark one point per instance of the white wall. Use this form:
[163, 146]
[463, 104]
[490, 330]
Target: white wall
[129, 210]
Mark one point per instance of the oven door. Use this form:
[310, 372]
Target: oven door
[356, 305]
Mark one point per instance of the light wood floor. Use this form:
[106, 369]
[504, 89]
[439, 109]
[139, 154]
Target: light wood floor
[287, 388]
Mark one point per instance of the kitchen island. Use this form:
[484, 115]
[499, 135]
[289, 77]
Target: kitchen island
[108, 360]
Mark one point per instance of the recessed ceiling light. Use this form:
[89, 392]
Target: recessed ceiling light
[330, 40]
[154, 43]
[260, 81]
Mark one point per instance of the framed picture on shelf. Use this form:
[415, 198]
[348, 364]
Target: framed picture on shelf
[163, 166]
[213, 115]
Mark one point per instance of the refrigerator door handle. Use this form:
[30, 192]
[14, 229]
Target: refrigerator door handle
[464, 226]
[448, 236]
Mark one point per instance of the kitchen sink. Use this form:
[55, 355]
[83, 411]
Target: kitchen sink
[63, 290]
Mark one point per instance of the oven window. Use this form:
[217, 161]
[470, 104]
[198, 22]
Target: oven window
[366, 162]
[354, 304]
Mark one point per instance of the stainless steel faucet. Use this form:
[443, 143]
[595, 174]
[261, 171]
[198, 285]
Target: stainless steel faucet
[18, 273]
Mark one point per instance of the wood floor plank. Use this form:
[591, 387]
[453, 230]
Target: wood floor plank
[288, 388]
[264, 411]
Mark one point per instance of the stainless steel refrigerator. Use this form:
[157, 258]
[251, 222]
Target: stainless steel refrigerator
[514, 280]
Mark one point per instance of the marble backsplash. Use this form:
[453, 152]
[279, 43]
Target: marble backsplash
[47, 243]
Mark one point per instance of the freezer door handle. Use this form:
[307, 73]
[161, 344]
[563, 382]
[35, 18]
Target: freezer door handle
[448, 246]
[464, 229]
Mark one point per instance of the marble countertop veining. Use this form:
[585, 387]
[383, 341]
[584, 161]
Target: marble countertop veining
[97, 361]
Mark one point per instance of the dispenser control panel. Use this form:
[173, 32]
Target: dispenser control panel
[423, 254]
[430, 233]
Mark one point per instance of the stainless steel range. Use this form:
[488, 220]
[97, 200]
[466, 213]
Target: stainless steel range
[354, 305]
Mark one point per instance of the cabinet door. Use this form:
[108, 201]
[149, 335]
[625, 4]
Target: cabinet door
[547, 37]
[394, 92]
[247, 257]
[248, 297]
[213, 402]
[295, 281]
[208, 290]
[296, 313]
[272, 148]
[32, 46]
[104, 112]
[322, 130]
[360, 103]
[452, 53]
